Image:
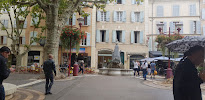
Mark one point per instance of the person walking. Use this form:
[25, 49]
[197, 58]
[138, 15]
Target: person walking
[144, 67]
[186, 83]
[49, 68]
[153, 68]
[136, 68]
[4, 71]
[82, 66]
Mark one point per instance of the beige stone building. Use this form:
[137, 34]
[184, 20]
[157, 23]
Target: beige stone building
[124, 21]
[202, 13]
[24, 38]
[172, 14]
[87, 45]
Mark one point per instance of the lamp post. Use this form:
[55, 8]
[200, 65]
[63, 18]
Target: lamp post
[169, 70]
[80, 20]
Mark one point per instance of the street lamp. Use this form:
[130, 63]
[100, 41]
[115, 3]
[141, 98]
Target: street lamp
[80, 21]
[169, 70]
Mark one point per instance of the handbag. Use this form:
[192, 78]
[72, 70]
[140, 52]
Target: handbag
[155, 72]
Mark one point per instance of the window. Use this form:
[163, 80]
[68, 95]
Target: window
[136, 36]
[2, 38]
[20, 40]
[119, 15]
[83, 42]
[70, 21]
[137, 16]
[194, 27]
[85, 20]
[119, 36]
[203, 1]
[102, 35]
[103, 16]
[5, 24]
[119, 1]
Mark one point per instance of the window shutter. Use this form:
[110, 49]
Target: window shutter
[114, 36]
[204, 30]
[108, 1]
[23, 40]
[74, 19]
[203, 13]
[107, 36]
[99, 15]
[191, 27]
[141, 3]
[123, 2]
[114, 16]
[6, 23]
[108, 16]
[124, 16]
[175, 11]
[132, 37]
[89, 19]
[133, 2]
[172, 27]
[182, 28]
[192, 10]
[4, 39]
[150, 44]
[142, 16]
[165, 27]
[198, 27]
[123, 36]
[141, 37]
[160, 11]
[88, 39]
[67, 23]
[133, 16]
[98, 36]
[14, 24]
[25, 24]
[155, 46]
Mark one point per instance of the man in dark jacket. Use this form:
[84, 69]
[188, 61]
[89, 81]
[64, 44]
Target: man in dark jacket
[186, 84]
[49, 68]
[4, 71]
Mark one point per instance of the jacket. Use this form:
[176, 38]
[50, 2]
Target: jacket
[4, 71]
[49, 67]
[186, 83]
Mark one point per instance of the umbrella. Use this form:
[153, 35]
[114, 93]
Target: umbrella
[186, 43]
[178, 59]
[148, 59]
[162, 58]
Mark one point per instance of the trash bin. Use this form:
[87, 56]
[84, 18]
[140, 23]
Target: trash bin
[75, 69]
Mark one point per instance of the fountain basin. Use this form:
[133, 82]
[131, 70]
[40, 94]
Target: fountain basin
[115, 72]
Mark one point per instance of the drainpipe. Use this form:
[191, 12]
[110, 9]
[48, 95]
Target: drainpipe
[152, 25]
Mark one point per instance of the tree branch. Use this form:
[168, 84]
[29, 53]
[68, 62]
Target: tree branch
[42, 5]
[27, 3]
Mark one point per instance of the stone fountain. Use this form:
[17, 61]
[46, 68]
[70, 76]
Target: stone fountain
[115, 67]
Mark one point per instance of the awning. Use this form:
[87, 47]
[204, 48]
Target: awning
[153, 54]
[105, 55]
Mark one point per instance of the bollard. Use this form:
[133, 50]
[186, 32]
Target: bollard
[75, 69]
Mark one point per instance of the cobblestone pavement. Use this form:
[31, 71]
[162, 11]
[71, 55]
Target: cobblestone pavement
[26, 94]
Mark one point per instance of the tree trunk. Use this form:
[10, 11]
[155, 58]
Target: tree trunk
[18, 62]
[52, 41]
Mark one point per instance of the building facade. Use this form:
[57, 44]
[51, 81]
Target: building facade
[202, 13]
[173, 15]
[86, 44]
[123, 22]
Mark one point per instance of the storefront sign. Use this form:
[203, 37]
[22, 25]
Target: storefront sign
[36, 57]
